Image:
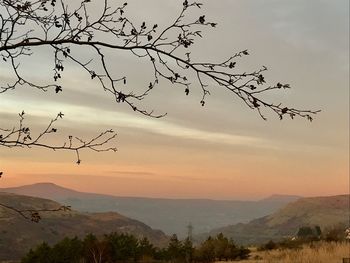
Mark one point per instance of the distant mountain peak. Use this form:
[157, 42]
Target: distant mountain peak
[47, 184]
[44, 184]
[44, 190]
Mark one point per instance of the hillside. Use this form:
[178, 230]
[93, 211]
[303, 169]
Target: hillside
[18, 235]
[322, 211]
[170, 215]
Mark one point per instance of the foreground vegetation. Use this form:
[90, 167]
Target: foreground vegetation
[308, 246]
[124, 248]
[320, 252]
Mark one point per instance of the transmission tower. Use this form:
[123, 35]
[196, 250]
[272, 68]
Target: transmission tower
[190, 231]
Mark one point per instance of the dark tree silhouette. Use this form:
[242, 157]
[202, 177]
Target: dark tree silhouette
[119, 247]
[99, 27]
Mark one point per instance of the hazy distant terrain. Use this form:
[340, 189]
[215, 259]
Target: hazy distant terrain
[169, 215]
[322, 211]
[18, 235]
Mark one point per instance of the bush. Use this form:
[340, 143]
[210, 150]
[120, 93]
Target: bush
[336, 233]
[268, 246]
[41, 254]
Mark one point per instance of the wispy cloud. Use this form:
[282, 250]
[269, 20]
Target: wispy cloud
[132, 173]
[103, 118]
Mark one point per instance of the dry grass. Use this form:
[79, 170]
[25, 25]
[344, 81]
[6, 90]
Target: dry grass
[317, 253]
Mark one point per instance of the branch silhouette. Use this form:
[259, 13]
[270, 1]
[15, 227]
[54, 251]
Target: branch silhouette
[21, 136]
[100, 27]
[34, 214]
[60, 27]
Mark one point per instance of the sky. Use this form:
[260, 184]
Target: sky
[220, 151]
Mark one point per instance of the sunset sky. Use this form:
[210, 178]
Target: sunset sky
[220, 151]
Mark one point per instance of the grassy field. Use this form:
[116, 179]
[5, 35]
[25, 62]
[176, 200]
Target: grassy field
[317, 253]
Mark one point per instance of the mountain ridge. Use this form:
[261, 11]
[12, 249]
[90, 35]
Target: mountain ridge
[324, 211]
[170, 215]
[35, 189]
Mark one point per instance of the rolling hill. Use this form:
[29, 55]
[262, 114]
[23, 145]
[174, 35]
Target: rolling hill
[322, 211]
[18, 235]
[170, 215]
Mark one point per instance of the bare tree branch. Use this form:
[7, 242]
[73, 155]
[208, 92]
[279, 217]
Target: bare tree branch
[34, 214]
[61, 25]
[21, 136]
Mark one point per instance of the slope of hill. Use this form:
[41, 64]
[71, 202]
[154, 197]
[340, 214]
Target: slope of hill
[170, 215]
[281, 198]
[18, 235]
[322, 211]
